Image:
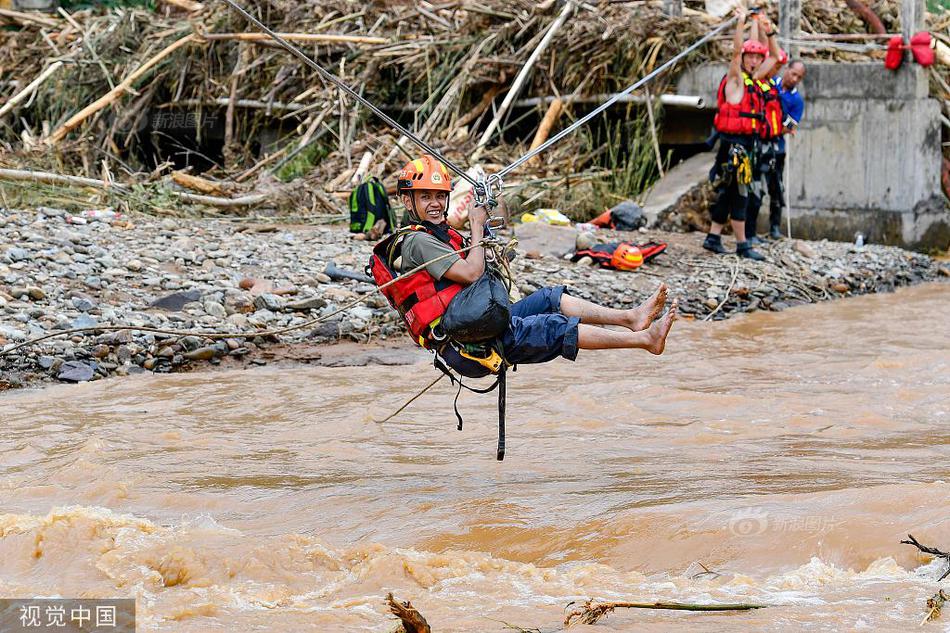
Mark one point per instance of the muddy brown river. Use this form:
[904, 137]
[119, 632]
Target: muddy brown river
[786, 453]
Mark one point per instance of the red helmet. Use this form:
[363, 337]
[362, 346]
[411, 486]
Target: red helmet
[424, 173]
[754, 47]
[782, 57]
[626, 257]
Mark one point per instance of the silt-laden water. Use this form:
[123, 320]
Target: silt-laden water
[788, 453]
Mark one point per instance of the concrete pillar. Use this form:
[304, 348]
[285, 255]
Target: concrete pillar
[912, 17]
[673, 7]
[790, 24]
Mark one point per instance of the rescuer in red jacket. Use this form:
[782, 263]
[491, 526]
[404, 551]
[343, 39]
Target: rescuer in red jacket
[544, 325]
[739, 122]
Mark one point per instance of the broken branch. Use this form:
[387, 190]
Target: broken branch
[412, 620]
[297, 37]
[116, 92]
[33, 85]
[933, 551]
[592, 611]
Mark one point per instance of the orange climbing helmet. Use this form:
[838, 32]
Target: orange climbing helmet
[424, 173]
[626, 257]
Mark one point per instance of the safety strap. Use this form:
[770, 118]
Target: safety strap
[502, 386]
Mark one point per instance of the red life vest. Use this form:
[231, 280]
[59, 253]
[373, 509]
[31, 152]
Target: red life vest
[743, 118]
[772, 109]
[419, 299]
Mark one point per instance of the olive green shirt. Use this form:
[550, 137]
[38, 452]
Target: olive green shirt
[419, 248]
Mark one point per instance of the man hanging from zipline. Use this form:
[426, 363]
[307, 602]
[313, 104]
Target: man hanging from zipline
[546, 324]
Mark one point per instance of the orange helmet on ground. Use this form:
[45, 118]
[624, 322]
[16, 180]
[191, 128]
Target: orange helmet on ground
[626, 257]
[424, 173]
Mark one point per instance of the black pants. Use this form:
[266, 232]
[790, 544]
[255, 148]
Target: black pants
[731, 199]
[776, 188]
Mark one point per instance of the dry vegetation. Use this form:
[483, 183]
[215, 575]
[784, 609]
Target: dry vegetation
[178, 85]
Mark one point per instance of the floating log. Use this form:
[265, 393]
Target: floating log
[593, 611]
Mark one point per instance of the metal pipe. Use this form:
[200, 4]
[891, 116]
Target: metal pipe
[682, 101]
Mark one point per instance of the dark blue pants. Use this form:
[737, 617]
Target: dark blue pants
[537, 333]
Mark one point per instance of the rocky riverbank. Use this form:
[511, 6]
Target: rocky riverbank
[57, 274]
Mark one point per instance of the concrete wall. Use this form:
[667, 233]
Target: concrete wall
[867, 157]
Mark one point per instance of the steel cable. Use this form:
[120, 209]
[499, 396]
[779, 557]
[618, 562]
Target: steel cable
[568, 130]
[339, 83]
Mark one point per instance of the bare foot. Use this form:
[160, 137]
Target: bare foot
[643, 315]
[661, 329]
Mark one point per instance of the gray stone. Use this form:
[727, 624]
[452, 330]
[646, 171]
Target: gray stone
[45, 361]
[83, 303]
[12, 333]
[215, 309]
[123, 354]
[190, 343]
[176, 301]
[17, 254]
[310, 303]
[76, 371]
[361, 312]
[83, 321]
[268, 301]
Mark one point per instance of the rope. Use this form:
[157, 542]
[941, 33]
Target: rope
[217, 335]
[296, 52]
[410, 400]
[568, 130]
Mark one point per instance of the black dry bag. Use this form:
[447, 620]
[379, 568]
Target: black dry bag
[478, 313]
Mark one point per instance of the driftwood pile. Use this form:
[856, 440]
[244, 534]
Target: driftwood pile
[128, 95]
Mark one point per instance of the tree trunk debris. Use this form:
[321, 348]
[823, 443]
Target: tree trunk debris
[412, 620]
[592, 611]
